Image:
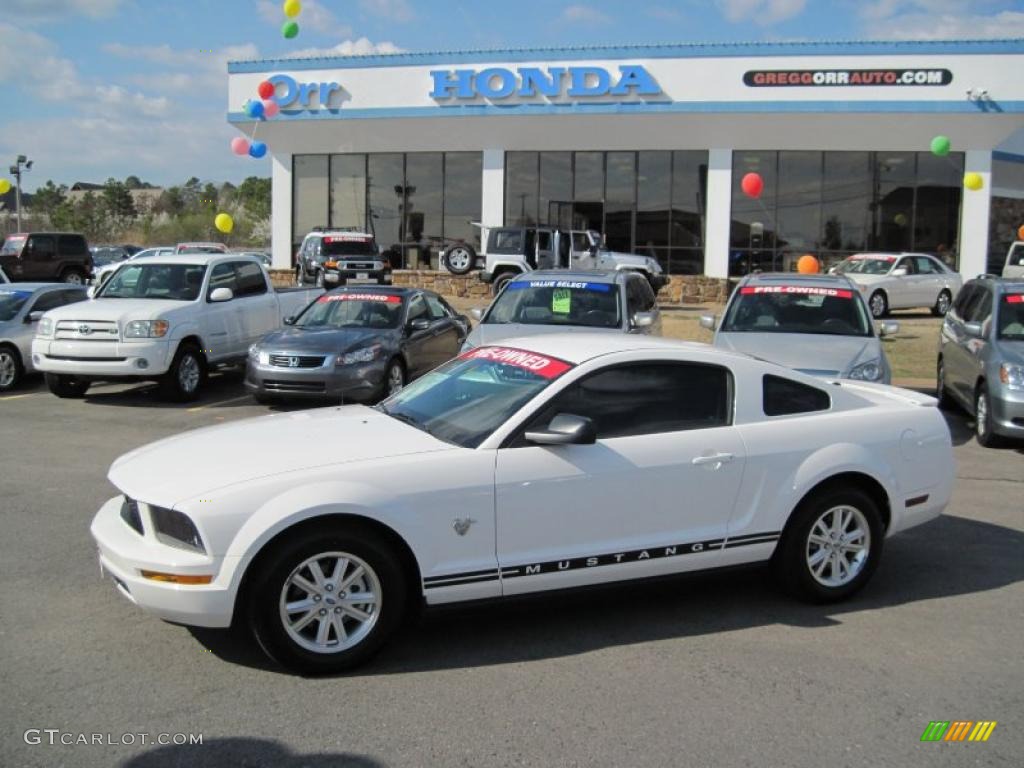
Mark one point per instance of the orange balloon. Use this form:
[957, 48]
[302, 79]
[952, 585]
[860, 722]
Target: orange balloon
[808, 265]
[1020, 232]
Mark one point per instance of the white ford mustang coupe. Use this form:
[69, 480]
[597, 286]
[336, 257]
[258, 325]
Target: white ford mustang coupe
[548, 462]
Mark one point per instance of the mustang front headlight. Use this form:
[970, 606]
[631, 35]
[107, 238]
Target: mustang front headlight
[1012, 376]
[45, 327]
[869, 371]
[364, 355]
[176, 529]
[146, 329]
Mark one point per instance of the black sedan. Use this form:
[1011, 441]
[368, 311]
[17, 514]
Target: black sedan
[356, 344]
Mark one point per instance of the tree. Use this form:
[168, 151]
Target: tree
[171, 202]
[118, 201]
[254, 196]
[209, 198]
[49, 197]
[134, 182]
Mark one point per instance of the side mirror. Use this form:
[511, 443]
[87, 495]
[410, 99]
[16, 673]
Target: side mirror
[477, 313]
[290, 320]
[419, 324]
[899, 272]
[565, 429]
[221, 294]
[90, 291]
[888, 328]
[32, 317]
[974, 329]
[643, 319]
[708, 321]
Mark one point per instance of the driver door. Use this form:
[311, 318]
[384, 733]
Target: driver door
[652, 495]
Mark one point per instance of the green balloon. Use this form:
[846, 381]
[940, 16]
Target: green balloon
[290, 29]
[940, 146]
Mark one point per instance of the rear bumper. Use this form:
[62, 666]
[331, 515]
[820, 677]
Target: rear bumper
[360, 382]
[1007, 413]
[102, 359]
[124, 554]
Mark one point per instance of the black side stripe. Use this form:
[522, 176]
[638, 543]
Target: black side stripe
[917, 500]
[594, 561]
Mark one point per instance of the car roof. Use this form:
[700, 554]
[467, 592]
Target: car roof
[791, 278]
[337, 232]
[1011, 283]
[198, 258]
[36, 286]
[588, 275]
[578, 348]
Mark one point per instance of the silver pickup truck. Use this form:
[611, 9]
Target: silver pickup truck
[512, 251]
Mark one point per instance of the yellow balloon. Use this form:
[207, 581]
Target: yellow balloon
[5, 186]
[224, 223]
[292, 8]
[973, 181]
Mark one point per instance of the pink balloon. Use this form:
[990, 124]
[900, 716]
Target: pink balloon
[240, 146]
[270, 108]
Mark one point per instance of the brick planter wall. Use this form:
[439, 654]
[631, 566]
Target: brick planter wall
[681, 290]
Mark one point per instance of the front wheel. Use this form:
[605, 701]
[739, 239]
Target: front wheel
[878, 304]
[460, 259]
[186, 376]
[942, 303]
[984, 428]
[327, 600]
[832, 545]
[11, 369]
[395, 379]
[66, 386]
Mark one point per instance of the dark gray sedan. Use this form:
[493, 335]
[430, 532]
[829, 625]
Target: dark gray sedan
[356, 344]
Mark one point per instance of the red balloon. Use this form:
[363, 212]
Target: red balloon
[752, 185]
[265, 89]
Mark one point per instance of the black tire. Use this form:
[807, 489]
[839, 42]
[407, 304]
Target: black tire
[942, 303]
[318, 279]
[791, 559]
[11, 368]
[501, 280]
[983, 425]
[395, 368]
[262, 399]
[878, 304]
[275, 572]
[66, 386]
[178, 384]
[941, 392]
[72, 276]
[300, 279]
[459, 259]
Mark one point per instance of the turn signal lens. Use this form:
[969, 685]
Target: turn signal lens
[176, 578]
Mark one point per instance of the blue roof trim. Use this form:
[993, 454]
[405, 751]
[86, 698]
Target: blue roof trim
[1008, 157]
[653, 51]
[521, 110]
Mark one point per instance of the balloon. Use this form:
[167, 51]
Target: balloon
[240, 146]
[900, 219]
[257, 149]
[292, 8]
[1020, 232]
[265, 89]
[290, 29]
[808, 265]
[973, 181]
[752, 185]
[940, 146]
[5, 186]
[270, 108]
[224, 223]
[254, 109]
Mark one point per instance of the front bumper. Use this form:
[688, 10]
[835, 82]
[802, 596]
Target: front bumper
[359, 381]
[146, 358]
[378, 273]
[1007, 412]
[124, 554]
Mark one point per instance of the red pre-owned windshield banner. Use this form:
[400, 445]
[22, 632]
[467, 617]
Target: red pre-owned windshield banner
[806, 290]
[1015, 298]
[546, 367]
[390, 298]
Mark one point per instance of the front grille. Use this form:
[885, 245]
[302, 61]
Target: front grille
[353, 267]
[130, 514]
[294, 386]
[296, 361]
[86, 330]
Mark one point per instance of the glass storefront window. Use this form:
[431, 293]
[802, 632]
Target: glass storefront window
[845, 204]
[424, 178]
[653, 202]
[689, 206]
[521, 177]
[892, 223]
[619, 200]
[385, 184]
[799, 205]
[309, 195]
[752, 235]
[348, 191]
[937, 212]
[463, 174]
[556, 189]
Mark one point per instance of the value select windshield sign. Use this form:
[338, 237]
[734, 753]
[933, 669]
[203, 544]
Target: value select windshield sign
[762, 78]
[497, 83]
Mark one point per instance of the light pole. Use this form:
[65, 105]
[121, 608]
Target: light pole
[16, 173]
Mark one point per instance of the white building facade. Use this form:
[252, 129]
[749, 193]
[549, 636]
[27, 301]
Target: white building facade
[649, 144]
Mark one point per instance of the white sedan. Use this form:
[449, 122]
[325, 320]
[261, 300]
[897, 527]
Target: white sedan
[549, 462]
[902, 281]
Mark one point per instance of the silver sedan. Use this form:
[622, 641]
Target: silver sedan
[890, 281]
[21, 306]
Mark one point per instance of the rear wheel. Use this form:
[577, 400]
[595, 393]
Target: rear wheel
[831, 546]
[11, 368]
[72, 276]
[66, 386]
[186, 376]
[984, 427]
[941, 391]
[327, 600]
[501, 280]
[942, 303]
[878, 304]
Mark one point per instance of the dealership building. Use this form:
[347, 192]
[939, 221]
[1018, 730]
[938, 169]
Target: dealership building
[649, 144]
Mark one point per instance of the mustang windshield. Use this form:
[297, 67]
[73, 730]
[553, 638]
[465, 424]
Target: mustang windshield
[797, 309]
[352, 310]
[557, 302]
[180, 282]
[861, 265]
[11, 302]
[1010, 319]
[466, 399]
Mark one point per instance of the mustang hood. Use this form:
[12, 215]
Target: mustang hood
[324, 341]
[203, 460]
[491, 333]
[816, 354]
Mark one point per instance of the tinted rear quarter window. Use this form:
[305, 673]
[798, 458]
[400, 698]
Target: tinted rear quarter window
[785, 397]
[72, 245]
[249, 279]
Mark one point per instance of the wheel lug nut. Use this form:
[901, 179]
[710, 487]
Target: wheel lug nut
[337, 610]
[323, 611]
[316, 598]
[342, 594]
[330, 587]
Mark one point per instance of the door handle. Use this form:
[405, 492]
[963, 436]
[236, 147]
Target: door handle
[717, 459]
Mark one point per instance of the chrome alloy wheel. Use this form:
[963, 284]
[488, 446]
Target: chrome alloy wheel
[458, 258]
[838, 546]
[8, 369]
[330, 602]
[942, 303]
[877, 305]
[396, 379]
[188, 374]
[981, 415]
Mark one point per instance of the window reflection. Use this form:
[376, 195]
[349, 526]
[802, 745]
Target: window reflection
[348, 191]
[462, 192]
[309, 195]
[423, 208]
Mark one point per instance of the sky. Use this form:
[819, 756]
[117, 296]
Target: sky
[93, 89]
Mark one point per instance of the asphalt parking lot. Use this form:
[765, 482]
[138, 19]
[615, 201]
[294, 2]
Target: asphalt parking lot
[713, 670]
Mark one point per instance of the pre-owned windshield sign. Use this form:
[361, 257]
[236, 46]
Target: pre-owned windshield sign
[552, 82]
